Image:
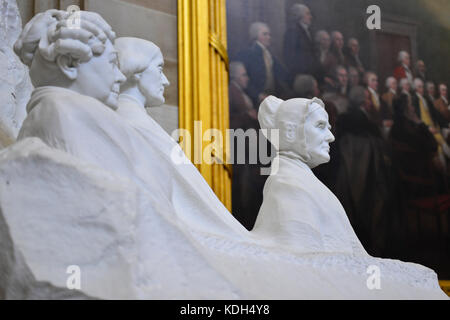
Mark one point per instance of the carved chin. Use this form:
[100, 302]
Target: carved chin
[326, 155]
[157, 101]
[317, 160]
[112, 101]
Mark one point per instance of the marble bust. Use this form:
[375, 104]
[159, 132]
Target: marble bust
[81, 60]
[298, 211]
[142, 62]
[189, 194]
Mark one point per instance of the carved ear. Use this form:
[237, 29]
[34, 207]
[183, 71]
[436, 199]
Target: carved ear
[67, 66]
[290, 131]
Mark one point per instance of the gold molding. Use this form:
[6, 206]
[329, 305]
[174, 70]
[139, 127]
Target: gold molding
[219, 47]
[203, 84]
[445, 285]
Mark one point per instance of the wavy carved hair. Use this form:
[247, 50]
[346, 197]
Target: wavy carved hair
[49, 35]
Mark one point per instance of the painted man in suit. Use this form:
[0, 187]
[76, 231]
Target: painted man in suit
[242, 112]
[427, 113]
[299, 52]
[403, 70]
[442, 104]
[326, 59]
[389, 96]
[421, 70]
[336, 88]
[431, 91]
[247, 182]
[354, 77]
[337, 47]
[352, 55]
[267, 76]
[424, 108]
[375, 109]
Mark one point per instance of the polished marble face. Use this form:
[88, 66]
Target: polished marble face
[153, 81]
[318, 136]
[100, 77]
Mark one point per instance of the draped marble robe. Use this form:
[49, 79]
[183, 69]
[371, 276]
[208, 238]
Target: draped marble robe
[300, 213]
[187, 189]
[87, 129]
[322, 229]
[226, 267]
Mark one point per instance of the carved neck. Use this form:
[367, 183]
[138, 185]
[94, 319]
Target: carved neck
[133, 92]
[294, 156]
[125, 96]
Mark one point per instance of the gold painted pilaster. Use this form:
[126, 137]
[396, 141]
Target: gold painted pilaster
[203, 84]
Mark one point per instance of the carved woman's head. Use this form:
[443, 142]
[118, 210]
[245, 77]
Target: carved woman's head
[303, 127]
[142, 63]
[82, 58]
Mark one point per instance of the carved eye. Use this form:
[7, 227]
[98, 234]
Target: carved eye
[321, 126]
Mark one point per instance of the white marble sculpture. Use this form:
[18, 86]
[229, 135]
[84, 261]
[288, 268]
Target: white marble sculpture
[15, 84]
[92, 185]
[298, 211]
[85, 88]
[73, 114]
[191, 197]
[64, 212]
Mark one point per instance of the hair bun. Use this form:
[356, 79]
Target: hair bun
[28, 42]
[267, 113]
[50, 34]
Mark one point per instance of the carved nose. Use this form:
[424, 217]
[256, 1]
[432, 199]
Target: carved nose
[330, 137]
[166, 81]
[120, 77]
